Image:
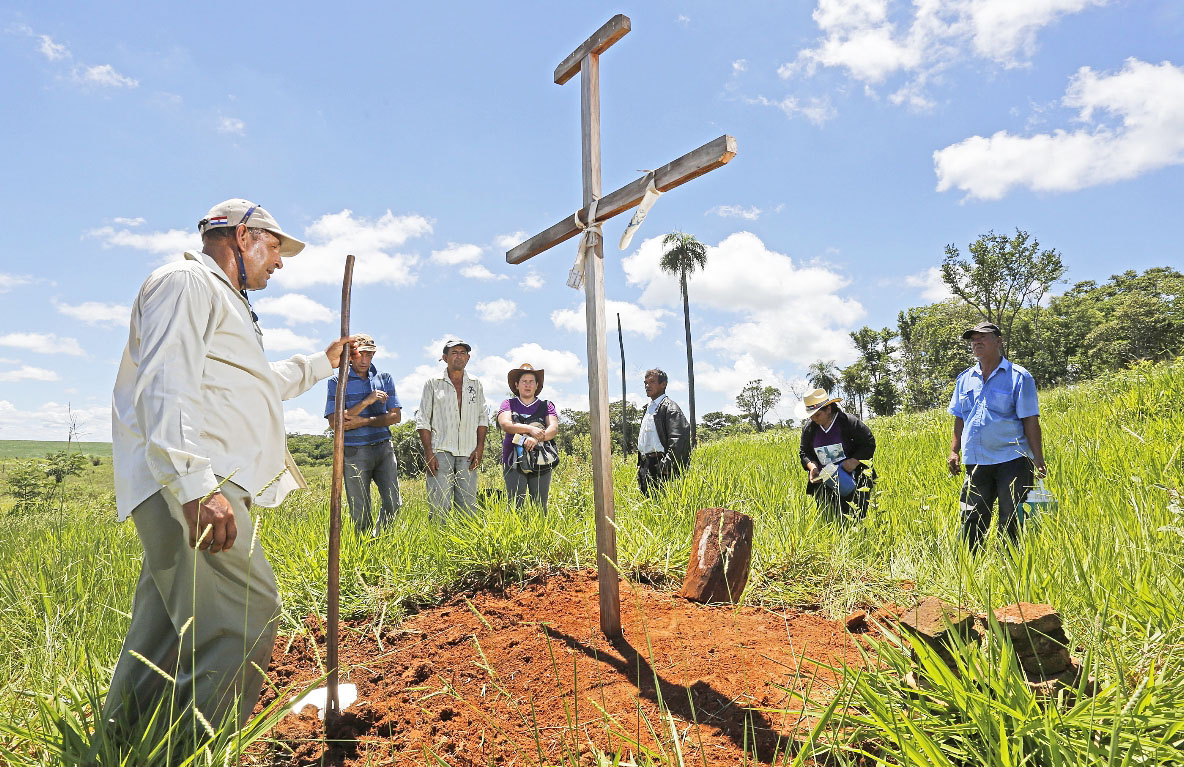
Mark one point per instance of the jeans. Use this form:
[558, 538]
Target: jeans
[517, 485]
[454, 484]
[364, 464]
[1009, 482]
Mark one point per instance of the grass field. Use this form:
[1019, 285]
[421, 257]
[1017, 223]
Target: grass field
[1110, 559]
[30, 448]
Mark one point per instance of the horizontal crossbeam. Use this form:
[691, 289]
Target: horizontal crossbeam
[613, 30]
[693, 164]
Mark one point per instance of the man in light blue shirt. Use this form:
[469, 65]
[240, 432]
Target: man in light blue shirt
[996, 435]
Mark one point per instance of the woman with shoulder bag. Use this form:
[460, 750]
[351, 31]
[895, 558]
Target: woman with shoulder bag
[528, 449]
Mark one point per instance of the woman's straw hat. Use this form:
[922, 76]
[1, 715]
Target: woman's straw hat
[813, 402]
[513, 376]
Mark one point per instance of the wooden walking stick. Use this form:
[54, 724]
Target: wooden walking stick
[332, 703]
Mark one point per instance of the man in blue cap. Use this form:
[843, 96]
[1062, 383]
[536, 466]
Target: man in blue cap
[996, 435]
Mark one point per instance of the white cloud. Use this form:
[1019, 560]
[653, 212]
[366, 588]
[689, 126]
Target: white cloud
[51, 421]
[874, 40]
[479, 272]
[51, 50]
[104, 75]
[498, 310]
[933, 287]
[507, 241]
[297, 420]
[96, 313]
[634, 319]
[168, 246]
[751, 213]
[793, 312]
[683, 20]
[1147, 101]
[28, 373]
[739, 65]
[137, 221]
[10, 281]
[532, 281]
[295, 308]
[284, 340]
[816, 109]
[457, 253]
[232, 125]
[333, 235]
[43, 343]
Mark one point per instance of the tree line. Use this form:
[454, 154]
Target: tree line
[1088, 330]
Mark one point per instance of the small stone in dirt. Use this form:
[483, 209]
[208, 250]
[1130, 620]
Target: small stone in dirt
[418, 672]
[937, 623]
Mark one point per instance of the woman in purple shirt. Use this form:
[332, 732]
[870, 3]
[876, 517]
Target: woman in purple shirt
[526, 421]
[832, 437]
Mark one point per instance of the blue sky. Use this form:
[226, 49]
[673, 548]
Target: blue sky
[428, 138]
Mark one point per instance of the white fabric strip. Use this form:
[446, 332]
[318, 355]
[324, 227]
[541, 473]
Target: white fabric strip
[647, 201]
[575, 278]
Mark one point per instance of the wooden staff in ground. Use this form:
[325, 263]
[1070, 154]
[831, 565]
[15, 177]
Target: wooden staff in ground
[332, 611]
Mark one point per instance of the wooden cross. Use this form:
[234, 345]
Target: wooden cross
[586, 61]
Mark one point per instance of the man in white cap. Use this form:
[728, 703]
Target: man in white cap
[371, 408]
[452, 422]
[198, 437]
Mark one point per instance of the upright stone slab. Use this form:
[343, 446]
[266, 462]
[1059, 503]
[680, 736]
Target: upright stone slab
[1038, 637]
[721, 551]
[937, 623]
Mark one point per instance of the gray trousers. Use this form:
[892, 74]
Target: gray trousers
[207, 620]
[365, 464]
[518, 484]
[454, 484]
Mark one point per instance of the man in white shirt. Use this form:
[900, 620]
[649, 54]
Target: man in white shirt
[452, 422]
[198, 437]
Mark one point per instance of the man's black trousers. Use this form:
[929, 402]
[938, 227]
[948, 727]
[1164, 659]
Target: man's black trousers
[1008, 483]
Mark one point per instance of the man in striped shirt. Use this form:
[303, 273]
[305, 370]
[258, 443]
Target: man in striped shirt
[371, 407]
[452, 421]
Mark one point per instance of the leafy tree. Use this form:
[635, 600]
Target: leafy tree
[28, 483]
[931, 352]
[63, 464]
[633, 416]
[1002, 276]
[686, 254]
[755, 401]
[717, 425]
[876, 352]
[311, 449]
[824, 374]
[856, 384]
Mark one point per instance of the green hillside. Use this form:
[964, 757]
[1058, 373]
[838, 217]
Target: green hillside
[31, 448]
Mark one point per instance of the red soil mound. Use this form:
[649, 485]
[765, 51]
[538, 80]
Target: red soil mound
[526, 678]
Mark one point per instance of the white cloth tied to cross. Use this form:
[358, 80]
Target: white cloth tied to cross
[575, 278]
[647, 201]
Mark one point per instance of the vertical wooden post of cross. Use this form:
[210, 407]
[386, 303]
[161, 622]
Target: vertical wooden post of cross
[598, 412]
[585, 60]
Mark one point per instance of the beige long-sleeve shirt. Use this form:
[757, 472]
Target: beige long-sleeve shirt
[195, 395]
[453, 426]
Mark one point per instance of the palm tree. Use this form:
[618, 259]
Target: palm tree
[824, 374]
[686, 254]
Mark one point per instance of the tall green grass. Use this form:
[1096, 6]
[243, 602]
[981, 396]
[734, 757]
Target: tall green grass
[1110, 558]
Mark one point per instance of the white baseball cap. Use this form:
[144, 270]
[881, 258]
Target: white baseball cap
[231, 213]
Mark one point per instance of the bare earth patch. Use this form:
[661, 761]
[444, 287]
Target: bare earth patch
[526, 677]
